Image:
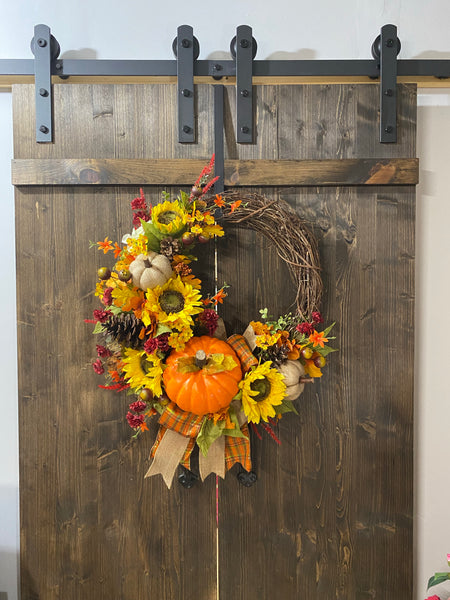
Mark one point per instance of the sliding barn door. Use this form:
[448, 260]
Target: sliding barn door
[331, 513]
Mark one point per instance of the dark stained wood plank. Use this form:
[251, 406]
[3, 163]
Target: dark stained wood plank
[237, 173]
[331, 512]
[91, 526]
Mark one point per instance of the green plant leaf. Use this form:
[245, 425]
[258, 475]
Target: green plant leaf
[328, 329]
[325, 351]
[438, 578]
[209, 432]
[162, 328]
[153, 235]
[285, 407]
[236, 432]
[99, 328]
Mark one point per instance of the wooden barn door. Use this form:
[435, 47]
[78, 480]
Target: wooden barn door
[331, 513]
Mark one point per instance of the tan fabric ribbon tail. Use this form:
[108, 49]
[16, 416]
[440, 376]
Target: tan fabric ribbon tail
[214, 461]
[168, 456]
[250, 337]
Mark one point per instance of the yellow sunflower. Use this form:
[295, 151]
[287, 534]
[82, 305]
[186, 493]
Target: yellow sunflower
[169, 217]
[262, 389]
[174, 303]
[143, 370]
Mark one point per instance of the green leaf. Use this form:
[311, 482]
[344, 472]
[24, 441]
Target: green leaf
[438, 578]
[115, 309]
[162, 329]
[328, 329]
[325, 351]
[285, 407]
[153, 235]
[98, 327]
[209, 432]
[236, 432]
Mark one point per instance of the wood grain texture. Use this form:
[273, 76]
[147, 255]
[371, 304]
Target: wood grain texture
[91, 526]
[331, 513]
[361, 171]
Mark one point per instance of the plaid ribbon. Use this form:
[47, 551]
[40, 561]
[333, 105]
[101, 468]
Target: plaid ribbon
[245, 355]
[237, 450]
[180, 421]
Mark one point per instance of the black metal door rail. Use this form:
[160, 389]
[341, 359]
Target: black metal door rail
[383, 66]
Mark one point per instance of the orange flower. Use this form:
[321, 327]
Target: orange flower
[235, 205]
[206, 301]
[317, 339]
[293, 347]
[143, 426]
[219, 201]
[106, 245]
[117, 250]
[218, 298]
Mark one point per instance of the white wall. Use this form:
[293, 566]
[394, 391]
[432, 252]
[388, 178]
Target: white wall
[286, 29]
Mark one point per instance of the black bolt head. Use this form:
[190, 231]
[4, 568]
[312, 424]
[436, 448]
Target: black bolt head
[389, 43]
[43, 92]
[187, 129]
[244, 93]
[389, 92]
[245, 129]
[185, 43]
[217, 67]
[41, 43]
[245, 43]
[389, 129]
[43, 129]
[186, 93]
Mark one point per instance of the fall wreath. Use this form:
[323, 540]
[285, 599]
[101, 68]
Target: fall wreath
[163, 341]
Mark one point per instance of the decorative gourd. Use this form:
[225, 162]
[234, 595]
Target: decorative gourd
[150, 270]
[201, 392]
[294, 373]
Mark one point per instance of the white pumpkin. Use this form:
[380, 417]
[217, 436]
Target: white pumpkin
[150, 270]
[293, 372]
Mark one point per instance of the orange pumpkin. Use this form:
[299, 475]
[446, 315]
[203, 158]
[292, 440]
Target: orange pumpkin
[200, 392]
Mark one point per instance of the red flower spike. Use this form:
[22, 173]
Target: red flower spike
[271, 432]
[209, 185]
[255, 430]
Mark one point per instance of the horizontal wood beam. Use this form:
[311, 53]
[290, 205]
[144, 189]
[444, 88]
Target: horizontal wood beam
[238, 173]
[7, 81]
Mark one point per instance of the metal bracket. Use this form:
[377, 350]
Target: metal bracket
[386, 47]
[244, 47]
[186, 49]
[45, 48]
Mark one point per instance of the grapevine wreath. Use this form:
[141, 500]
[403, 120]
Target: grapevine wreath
[163, 341]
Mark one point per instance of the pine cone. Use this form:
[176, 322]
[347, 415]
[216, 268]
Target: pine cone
[168, 247]
[277, 354]
[125, 329]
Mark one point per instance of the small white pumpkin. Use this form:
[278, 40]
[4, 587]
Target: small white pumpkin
[150, 270]
[293, 372]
